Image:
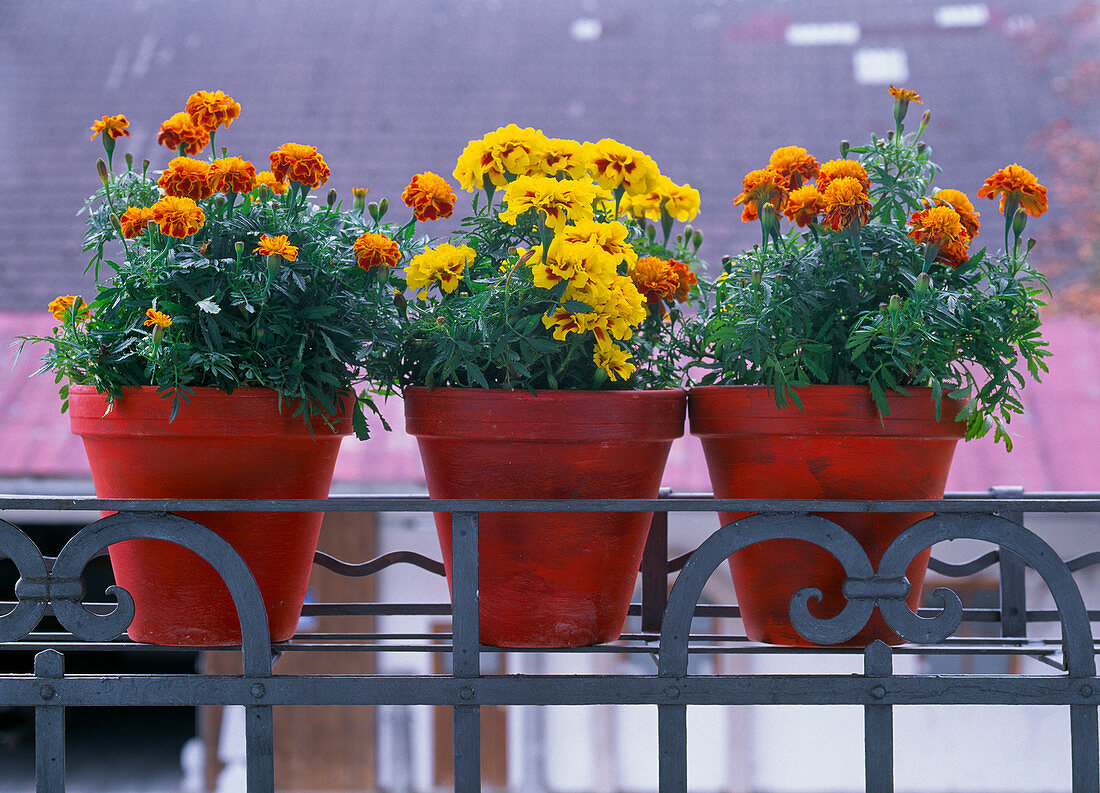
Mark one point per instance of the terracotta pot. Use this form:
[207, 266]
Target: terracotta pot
[836, 448]
[219, 446]
[548, 579]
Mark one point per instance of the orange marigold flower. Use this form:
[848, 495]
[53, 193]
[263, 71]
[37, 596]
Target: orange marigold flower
[958, 201]
[838, 169]
[232, 175]
[1016, 181]
[267, 179]
[905, 95]
[112, 126]
[794, 164]
[134, 220]
[686, 278]
[359, 193]
[180, 130]
[299, 163]
[210, 110]
[376, 250]
[660, 280]
[276, 246]
[845, 202]
[157, 318]
[942, 226]
[761, 187]
[178, 216]
[429, 195]
[61, 305]
[188, 178]
[804, 205]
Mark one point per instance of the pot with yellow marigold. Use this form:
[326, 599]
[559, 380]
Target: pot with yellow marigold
[851, 350]
[541, 358]
[221, 351]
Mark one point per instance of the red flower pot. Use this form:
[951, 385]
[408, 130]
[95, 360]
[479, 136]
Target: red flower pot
[219, 446]
[548, 579]
[836, 448]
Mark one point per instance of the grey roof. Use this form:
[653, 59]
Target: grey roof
[390, 88]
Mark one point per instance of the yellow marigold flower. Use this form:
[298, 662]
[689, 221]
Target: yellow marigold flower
[609, 236]
[564, 322]
[276, 246]
[958, 201]
[617, 304]
[681, 201]
[429, 196]
[443, 265]
[614, 360]
[580, 263]
[505, 151]
[845, 202]
[470, 170]
[232, 175]
[562, 156]
[134, 220]
[210, 110]
[299, 163]
[188, 178]
[905, 95]
[837, 169]
[376, 250]
[803, 205]
[794, 164]
[178, 216]
[180, 130]
[111, 126]
[558, 200]
[614, 165]
[1016, 181]
[761, 187]
[642, 205]
[62, 305]
[941, 226]
[360, 193]
[157, 318]
[267, 179]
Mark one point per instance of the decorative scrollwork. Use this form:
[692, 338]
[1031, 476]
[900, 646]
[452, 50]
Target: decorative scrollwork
[31, 590]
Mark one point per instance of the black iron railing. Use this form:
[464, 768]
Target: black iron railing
[54, 587]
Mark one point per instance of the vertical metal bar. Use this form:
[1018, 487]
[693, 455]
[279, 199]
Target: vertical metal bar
[466, 659]
[878, 722]
[259, 742]
[1085, 748]
[49, 726]
[655, 571]
[672, 748]
[1012, 567]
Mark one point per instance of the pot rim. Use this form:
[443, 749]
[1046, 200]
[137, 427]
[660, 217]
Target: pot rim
[839, 410]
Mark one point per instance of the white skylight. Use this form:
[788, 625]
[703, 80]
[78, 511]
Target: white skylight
[971, 15]
[817, 34]
[880, 66]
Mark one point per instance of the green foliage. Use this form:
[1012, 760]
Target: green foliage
[852, 307]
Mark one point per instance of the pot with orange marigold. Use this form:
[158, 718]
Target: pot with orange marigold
[541, 359]
[854, 346]
[220, 356]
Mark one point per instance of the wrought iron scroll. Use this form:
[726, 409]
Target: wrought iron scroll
[32, 590]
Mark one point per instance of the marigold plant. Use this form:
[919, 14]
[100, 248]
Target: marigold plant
[563, 282]
[214, 274]
[878, 281]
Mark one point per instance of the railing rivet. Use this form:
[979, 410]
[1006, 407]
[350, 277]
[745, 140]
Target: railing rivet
[672, 692]
[878, 692]
[1086, 691]
[466, 692]
[258, 690]
[47, 692]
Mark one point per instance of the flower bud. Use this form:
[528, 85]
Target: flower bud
[696, 239]
[265, 193]
[688, 229]
[1030, 244]
[101, 169]
[239, 248]
[1019, 221]
[145, 167]
[158, 334]
[769, 219]
[882, 307]
[756, 276]
[845, 147]
[273, 262]
[921, 147]
[219, 201]
[890, 136]
[651, 233]
[359, 194]
[330, 199]
[383, 207]
[726, 262]
[923, 282]
[116, 224]
[895, 303]
[372, 207]
[129, 161]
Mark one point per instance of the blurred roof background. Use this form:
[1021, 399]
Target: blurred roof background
[708, 88]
